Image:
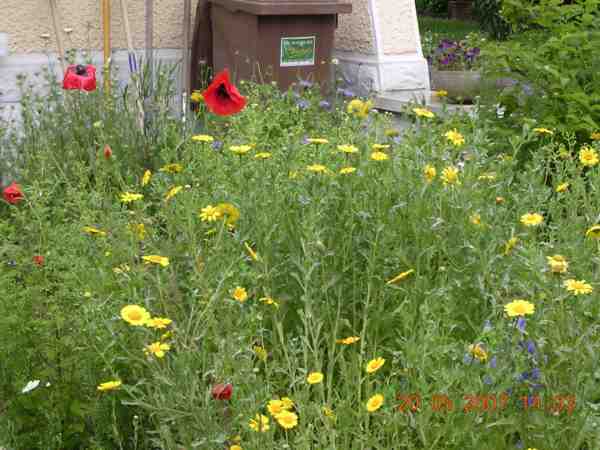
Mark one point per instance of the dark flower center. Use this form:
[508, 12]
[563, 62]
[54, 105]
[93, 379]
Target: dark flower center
[80, 70]
[222, 92]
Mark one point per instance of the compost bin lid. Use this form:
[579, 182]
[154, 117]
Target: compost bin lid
[287, 7]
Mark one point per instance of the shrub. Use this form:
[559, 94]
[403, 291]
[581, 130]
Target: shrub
[488, 14]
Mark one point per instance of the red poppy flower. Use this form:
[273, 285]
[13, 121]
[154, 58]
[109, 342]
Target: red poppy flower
[222, 391]
[39, 260]
[222, 97]
[107, 152]
[80, 78]
[12, 194]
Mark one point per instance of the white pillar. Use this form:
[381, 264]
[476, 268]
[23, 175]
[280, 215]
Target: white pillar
[379, 49]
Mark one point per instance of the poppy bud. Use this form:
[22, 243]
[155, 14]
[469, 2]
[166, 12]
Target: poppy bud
[12, 194]
[39, 260]
[107, 152]
[222, 391]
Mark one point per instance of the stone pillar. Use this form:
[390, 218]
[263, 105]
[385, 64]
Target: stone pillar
[379, 49]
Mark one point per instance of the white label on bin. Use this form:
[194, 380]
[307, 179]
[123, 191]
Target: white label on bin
[298, 51]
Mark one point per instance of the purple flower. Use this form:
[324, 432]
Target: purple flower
[306, 84]
[528, 345]
[217, 145]
[305, 140]
[523, 377]
[324, 104]
[487, 380]
[303, 104]
[521, 322]
[535, 373]
[493, 362]
[397, 139]
[345, 92]
[447, 43]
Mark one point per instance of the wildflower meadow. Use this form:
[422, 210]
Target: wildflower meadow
[285, 270]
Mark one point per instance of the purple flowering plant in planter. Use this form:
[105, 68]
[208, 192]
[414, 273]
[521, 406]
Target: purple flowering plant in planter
[455, 55]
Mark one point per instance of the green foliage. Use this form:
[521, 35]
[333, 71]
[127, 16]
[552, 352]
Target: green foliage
[553, 70]
[487, 13]
[434, 7]
[328, 245]
[550, 14]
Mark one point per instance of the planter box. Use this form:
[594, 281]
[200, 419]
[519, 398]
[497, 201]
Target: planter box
[465, 85]
[460, 9]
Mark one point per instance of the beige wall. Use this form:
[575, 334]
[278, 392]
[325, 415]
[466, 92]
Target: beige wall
[398, 35]
[355, 31]
[26, 20]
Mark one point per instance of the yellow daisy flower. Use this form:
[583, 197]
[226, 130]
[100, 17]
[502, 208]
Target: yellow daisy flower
[229, 212]
[94, 231]
[593, 232]
[109, 385]
[379, 156]
[158, 349]
[450, 176]
[196, 97]
[478, 352]
[146, 177]
[275, 407]
[423, 112]
[374, 365]
[171, 168]
[314, 378]
[519, 308]
[578, 287]
[349, 340]
[269, 301]
[156, 259]
[203, 138]
[401, 276]
[260, 423]
[317, 168]
[348, 149]
[263, 155]
[532, 219]
[317, 141]
[374, 403]
[173, 192]
[562, 187]
[557, 263]
[158, 323]
[347, 170]
[510, 245]
[240, 149]
[240, 294]
[455, 137]
[588, 156]
[543, 131]
[128, 197]
[135, 315]
[429, 173]
[380, 147]
[210, 213]
[287, 419]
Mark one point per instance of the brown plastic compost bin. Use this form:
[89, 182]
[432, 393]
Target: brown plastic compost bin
[267, 40]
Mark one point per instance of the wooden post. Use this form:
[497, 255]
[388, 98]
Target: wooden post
[107, 50]
[133, 65]
[185, 78]
[150, 38]
[57, 33]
